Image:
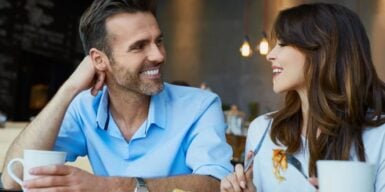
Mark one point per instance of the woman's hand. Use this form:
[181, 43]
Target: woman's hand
[240, 180]
[314, 182]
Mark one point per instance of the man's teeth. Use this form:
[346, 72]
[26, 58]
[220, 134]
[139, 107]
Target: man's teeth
[277, 70]
[151, 72]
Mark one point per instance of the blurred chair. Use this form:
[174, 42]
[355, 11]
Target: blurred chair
[1, 184]
[237, 142]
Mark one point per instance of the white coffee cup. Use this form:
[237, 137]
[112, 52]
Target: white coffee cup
[35, 158]
[339, 176]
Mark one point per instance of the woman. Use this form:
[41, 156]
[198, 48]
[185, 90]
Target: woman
[334, 105]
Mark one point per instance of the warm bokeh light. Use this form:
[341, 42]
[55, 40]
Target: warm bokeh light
[246, 49]
[263, 47]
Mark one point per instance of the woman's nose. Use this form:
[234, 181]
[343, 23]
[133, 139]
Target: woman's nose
[270, 57]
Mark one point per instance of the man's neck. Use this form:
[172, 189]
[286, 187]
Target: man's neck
[129, 110]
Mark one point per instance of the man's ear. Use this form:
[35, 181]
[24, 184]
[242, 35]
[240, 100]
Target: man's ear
[99, 59]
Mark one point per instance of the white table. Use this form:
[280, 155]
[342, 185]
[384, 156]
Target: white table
[12, 129]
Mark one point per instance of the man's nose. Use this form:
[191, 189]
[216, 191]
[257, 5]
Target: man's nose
[157, 54]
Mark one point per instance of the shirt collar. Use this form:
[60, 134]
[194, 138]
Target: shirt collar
[156, 115]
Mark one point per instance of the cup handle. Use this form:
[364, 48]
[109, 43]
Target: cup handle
[10, 170]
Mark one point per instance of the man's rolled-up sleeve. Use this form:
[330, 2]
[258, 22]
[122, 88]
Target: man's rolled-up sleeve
[208, 152]
[71, 137]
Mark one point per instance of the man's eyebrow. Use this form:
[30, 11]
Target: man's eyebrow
[143, 41]
[160, 36]
[138, 42]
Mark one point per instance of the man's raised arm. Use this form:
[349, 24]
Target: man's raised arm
[41, 133]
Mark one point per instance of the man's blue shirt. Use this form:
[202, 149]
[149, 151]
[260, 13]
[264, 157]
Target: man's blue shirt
[183, 134]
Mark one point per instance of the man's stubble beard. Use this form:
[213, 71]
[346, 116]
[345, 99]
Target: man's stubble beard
[133, 83]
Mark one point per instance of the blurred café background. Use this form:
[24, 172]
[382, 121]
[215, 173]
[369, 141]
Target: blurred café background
[40, 47]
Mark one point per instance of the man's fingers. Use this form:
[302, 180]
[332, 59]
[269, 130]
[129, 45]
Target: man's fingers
[45, 182]
[56, 189]
[99, 82]
[51, 170]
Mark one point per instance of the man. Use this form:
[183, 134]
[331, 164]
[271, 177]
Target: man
[140, 132]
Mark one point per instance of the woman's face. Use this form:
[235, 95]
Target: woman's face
[288, 68]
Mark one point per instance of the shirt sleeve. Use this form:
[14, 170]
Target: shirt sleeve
[71, 137]
[208, 152]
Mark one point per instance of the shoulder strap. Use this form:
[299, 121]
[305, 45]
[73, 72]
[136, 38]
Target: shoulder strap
[258, 146]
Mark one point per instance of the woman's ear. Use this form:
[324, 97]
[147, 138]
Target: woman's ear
[99, 59]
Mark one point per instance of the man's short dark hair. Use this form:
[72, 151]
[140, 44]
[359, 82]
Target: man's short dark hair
[92, 27]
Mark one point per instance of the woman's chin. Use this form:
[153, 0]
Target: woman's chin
[277, 90]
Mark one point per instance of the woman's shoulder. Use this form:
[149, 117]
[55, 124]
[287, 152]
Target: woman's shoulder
[260, 123]
[374, 132]
[258, 127]
[374, 142]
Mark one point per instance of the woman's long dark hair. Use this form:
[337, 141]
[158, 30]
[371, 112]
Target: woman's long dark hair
[344, 92]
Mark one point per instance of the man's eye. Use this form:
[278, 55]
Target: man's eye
[159, 42]
[137, 47]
